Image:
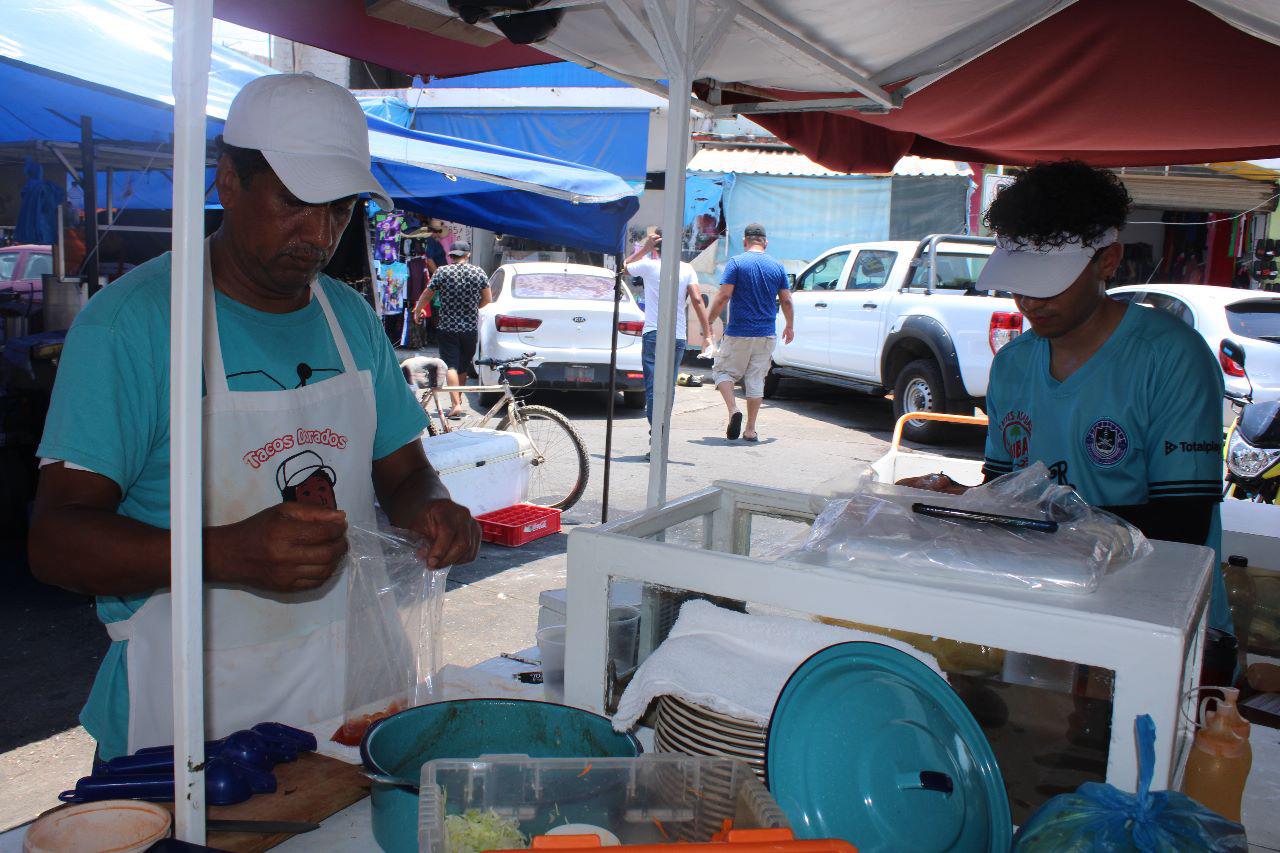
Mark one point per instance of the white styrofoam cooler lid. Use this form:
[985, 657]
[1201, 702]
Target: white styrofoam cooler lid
[469, 448]
[627, 593]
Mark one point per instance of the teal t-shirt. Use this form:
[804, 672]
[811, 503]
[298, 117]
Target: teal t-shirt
[1141, 419]
[110, 411]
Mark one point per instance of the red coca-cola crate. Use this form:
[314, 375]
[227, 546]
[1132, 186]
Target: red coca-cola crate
[519, 524]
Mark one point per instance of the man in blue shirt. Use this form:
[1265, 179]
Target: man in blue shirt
[306, 420]
[753, 286]
[1120, 401]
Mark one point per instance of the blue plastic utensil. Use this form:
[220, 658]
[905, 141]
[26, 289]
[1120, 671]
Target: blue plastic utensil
[246, 748]
[869, 745]
[226, 783]
[303, 741]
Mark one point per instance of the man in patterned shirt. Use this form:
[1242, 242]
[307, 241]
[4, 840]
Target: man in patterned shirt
[464, 290]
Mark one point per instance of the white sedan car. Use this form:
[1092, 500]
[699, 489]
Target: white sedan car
[564, 313]
[1251, 318]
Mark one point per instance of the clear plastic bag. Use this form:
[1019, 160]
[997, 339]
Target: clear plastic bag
[879, 528]
[1100, 817]
[395, 613]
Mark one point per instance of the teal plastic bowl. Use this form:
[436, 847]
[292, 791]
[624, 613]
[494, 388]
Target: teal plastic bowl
[469, 728]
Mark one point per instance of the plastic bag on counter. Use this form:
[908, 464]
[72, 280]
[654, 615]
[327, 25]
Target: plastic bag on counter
[1100, 817]
[395, 613]
[1022, 530]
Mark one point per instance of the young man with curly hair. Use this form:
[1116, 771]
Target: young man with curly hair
[1119, 401]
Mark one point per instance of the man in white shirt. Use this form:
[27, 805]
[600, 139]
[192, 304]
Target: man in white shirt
[646, 262]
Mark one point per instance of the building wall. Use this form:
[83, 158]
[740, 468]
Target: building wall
[292, 56]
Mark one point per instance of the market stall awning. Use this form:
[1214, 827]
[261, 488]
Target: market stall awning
[976, 80]
[119, 76]
[430, 46]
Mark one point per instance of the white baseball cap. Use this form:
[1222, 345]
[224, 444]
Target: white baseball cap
[312, 132]
[1040, 270]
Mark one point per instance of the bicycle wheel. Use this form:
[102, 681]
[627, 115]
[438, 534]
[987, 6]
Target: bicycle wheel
[560, 469]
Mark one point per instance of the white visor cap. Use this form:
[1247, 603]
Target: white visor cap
[312, 133]
[1039, 271]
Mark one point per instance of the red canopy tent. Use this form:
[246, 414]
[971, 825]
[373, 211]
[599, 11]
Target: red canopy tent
[1133, 83]
[344, 26]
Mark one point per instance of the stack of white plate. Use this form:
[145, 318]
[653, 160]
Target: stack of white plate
[693, 730]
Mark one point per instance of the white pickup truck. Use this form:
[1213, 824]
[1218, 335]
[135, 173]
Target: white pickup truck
[902, 317]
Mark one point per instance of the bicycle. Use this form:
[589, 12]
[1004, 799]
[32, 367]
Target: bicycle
[560, 467]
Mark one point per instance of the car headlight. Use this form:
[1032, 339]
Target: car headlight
[1245, 460]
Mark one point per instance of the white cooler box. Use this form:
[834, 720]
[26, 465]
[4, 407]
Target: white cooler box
[484, 469]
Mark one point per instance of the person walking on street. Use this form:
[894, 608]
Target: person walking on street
[464, 290]
[646, 263]
[753, 286]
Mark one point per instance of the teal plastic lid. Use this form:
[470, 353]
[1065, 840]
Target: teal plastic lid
[869, 745]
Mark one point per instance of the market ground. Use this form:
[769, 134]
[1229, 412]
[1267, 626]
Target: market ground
[809, 435]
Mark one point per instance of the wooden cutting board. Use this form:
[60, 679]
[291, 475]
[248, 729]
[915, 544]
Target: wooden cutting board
[312, 788]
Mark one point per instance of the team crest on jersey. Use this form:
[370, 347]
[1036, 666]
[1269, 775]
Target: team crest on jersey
[1015, 430]
[1106, 442]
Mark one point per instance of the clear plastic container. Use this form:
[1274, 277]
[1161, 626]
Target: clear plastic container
[652, 799]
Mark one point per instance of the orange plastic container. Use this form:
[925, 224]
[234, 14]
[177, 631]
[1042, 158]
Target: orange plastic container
[519, 524]
[727, 841]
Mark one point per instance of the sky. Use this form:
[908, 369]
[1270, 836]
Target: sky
[228, 35]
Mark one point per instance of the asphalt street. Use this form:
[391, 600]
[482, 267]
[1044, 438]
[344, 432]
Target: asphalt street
[809, 435]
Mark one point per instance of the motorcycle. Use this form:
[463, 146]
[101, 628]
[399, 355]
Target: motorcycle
[1252, 448]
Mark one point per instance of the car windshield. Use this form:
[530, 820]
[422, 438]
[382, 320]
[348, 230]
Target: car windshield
[8, 262]
[562, 285]
[955, 271]
[1255, 318]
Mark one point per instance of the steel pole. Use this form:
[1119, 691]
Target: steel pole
[192, 44]
[670, 299]
[89, 183]
[613, 387]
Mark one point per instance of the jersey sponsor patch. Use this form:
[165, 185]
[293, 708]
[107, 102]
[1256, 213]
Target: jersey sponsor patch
[1106, 443]
[1015, 431]
[1192, 447]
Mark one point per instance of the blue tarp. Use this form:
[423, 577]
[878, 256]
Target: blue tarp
[553, 74]
[615, 141]
[61, 59]
[805, 216]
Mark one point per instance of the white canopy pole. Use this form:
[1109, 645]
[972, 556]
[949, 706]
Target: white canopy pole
[674, 37]
[192, 45]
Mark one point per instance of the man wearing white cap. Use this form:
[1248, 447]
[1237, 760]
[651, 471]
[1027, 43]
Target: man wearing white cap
[1120, 401]
[306, 420]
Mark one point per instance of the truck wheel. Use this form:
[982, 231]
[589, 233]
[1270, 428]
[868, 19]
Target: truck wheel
[771, 382]
[919, 388]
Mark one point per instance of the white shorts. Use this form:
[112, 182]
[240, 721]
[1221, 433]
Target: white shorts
[746, 360]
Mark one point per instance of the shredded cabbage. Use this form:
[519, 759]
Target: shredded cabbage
[476, 831]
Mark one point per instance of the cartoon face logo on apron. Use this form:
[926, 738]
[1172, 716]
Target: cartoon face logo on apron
[268, 656]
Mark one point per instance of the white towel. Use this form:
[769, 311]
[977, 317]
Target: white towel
[734, 663]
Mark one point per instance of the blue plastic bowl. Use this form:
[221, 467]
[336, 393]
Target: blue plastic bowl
[469, 728]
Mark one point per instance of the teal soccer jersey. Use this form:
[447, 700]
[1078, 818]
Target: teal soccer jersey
[1139, 421]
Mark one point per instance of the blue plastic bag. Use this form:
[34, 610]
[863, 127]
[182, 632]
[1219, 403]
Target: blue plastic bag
[1102, 817]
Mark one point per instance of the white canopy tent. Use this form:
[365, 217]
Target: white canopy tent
[790, 56]
[867, 56]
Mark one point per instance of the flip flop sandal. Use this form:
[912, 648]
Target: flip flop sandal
[755, 437]
[734, 428]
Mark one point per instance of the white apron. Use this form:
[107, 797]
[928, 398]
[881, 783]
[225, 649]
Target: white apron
[268, 656]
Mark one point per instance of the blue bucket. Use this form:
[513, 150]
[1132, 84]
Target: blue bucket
[469, 728]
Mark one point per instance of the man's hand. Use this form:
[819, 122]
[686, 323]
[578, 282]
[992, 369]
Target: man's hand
[289, 547]
[454, 535]
[788, 334]
[421, 314]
